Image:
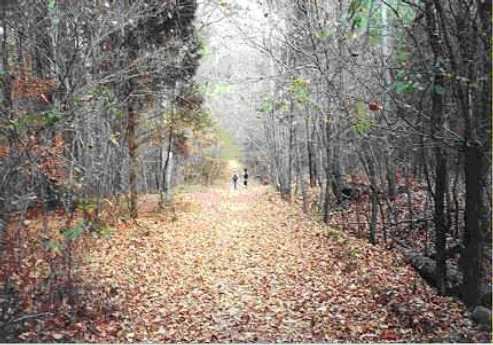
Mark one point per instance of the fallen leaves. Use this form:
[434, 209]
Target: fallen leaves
[245, 266]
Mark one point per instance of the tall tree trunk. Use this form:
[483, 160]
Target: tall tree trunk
[440, 153]
[374, 198]
[476, 158]
[337, 182]
[387, 105]
[291, 153]
[471, 255]
[7, 78]
[301, 180]
[326, 201]
[133, 156]
[312, 170]
[328, 171]
[166, 171]
[390, 175]
[133, 106]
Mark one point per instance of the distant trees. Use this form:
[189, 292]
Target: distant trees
[97, 105]
[98, 79]
[377, 98]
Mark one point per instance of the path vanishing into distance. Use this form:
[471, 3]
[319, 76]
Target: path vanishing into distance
[244, 266]
[373, 118]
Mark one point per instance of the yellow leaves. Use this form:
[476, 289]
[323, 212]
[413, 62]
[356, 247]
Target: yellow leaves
[114, 139]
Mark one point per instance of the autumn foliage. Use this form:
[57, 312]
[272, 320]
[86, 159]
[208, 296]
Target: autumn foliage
[25, 85]
[226, 266]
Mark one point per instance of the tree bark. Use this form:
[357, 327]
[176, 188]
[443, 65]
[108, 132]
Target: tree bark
[133, 156]
[440, 153]
[312, 170]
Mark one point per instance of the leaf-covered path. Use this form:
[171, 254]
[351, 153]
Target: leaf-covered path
[243, 266]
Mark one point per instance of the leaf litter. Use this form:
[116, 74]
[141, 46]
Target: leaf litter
[247, 267]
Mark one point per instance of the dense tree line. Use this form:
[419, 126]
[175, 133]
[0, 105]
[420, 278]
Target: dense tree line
[109, 85]
[384, 109]
[98, 104]
[377, 118]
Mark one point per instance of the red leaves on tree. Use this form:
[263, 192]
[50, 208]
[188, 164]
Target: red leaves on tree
[4, 151]
[375, 106]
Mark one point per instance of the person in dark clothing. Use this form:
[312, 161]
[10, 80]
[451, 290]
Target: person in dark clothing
[245, 178]
[235, 180]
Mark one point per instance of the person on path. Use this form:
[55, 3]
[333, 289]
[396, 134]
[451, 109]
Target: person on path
[235, 180]
[245, 178]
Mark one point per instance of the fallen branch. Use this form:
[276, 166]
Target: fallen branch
[24, 318]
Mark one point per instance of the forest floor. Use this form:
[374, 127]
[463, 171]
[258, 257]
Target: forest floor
[243, 266]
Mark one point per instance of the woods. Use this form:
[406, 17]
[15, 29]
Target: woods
[382, 104]
[367, 121]
[115, 96]
[98, 106]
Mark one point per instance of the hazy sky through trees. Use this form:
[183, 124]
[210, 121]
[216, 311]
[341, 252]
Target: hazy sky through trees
[232, 69]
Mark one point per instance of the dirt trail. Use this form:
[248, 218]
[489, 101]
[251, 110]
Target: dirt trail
[243, 266]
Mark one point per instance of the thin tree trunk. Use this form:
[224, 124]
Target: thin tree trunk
[440, 153]
[7, 78]
[301, 179]
[311, 153]
[374, 200]
[133, 156]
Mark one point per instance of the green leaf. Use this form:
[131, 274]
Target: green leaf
[54, 246]
[355, 6]
[88, 205]
[439, 90]
[105, 231]
[267, 106]
[404, 87]
[72, 234]
[51, 117]
[323, 35]
[403, 55]
[282, 106]
[363, 123]
[299, 89]
[118, 113]
[51, 5]
[204, 50]
[358, 21]
[360, 108]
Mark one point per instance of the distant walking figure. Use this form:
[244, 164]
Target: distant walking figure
[245, 178]
[235, 180]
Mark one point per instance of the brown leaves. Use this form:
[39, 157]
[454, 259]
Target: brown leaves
[51, 162]
[4, 151]
[25, 85]
[245, 266]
